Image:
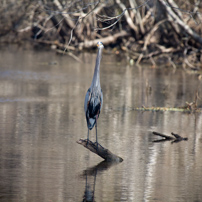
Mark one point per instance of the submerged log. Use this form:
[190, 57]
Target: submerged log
[166, 137]
[175, 139]
[172, 109]
[100, 151]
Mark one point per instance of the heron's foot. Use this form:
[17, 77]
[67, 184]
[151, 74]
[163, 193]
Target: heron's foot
[99, 145]
[87, 142]
[96, 143]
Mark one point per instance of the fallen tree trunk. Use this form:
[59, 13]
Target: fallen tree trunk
[100, 151]
[105, 40]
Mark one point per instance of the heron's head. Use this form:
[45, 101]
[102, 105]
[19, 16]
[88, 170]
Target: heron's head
[100, 44]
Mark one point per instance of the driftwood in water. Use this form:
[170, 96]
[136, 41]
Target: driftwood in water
[189, 107]
[176, 138]
[166, 137]
[100, 151]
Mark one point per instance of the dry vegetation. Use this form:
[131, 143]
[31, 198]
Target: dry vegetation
[164, 31]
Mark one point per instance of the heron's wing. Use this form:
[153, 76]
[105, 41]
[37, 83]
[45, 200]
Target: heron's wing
[87, 99]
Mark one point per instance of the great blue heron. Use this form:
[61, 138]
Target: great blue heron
[94, 97]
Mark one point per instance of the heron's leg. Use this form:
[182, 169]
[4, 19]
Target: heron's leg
[96, 130]
[88, 137]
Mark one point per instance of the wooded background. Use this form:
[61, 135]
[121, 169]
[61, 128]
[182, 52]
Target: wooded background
[163, 31]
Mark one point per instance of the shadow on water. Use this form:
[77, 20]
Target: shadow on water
[90, 175]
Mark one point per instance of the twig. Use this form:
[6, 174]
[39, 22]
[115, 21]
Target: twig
[56, 43]
[82, 18]
[70, 54]
[182, 25]
[128, 18]
[148, 37]
[118, 17]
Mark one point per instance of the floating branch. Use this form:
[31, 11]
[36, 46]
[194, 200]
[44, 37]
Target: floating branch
[164, 136]
[175, 139]
[100, 151]
[177, 109]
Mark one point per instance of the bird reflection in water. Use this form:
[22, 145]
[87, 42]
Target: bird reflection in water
[89, 191]
[90, 175]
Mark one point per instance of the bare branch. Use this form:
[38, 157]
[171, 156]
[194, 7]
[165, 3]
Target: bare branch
[183, 26]
[106, 40]
[118, 17]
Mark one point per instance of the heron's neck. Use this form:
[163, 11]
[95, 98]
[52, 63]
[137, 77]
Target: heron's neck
[96, 76]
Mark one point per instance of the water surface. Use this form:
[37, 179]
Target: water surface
[42, 117]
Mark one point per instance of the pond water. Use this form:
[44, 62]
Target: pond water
[42, 117]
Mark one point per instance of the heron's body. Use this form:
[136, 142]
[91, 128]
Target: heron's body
[94, 97]
[94, 106]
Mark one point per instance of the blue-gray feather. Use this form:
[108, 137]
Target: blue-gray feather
[93, 105]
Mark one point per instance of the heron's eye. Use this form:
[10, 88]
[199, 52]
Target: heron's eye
[100, 44]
